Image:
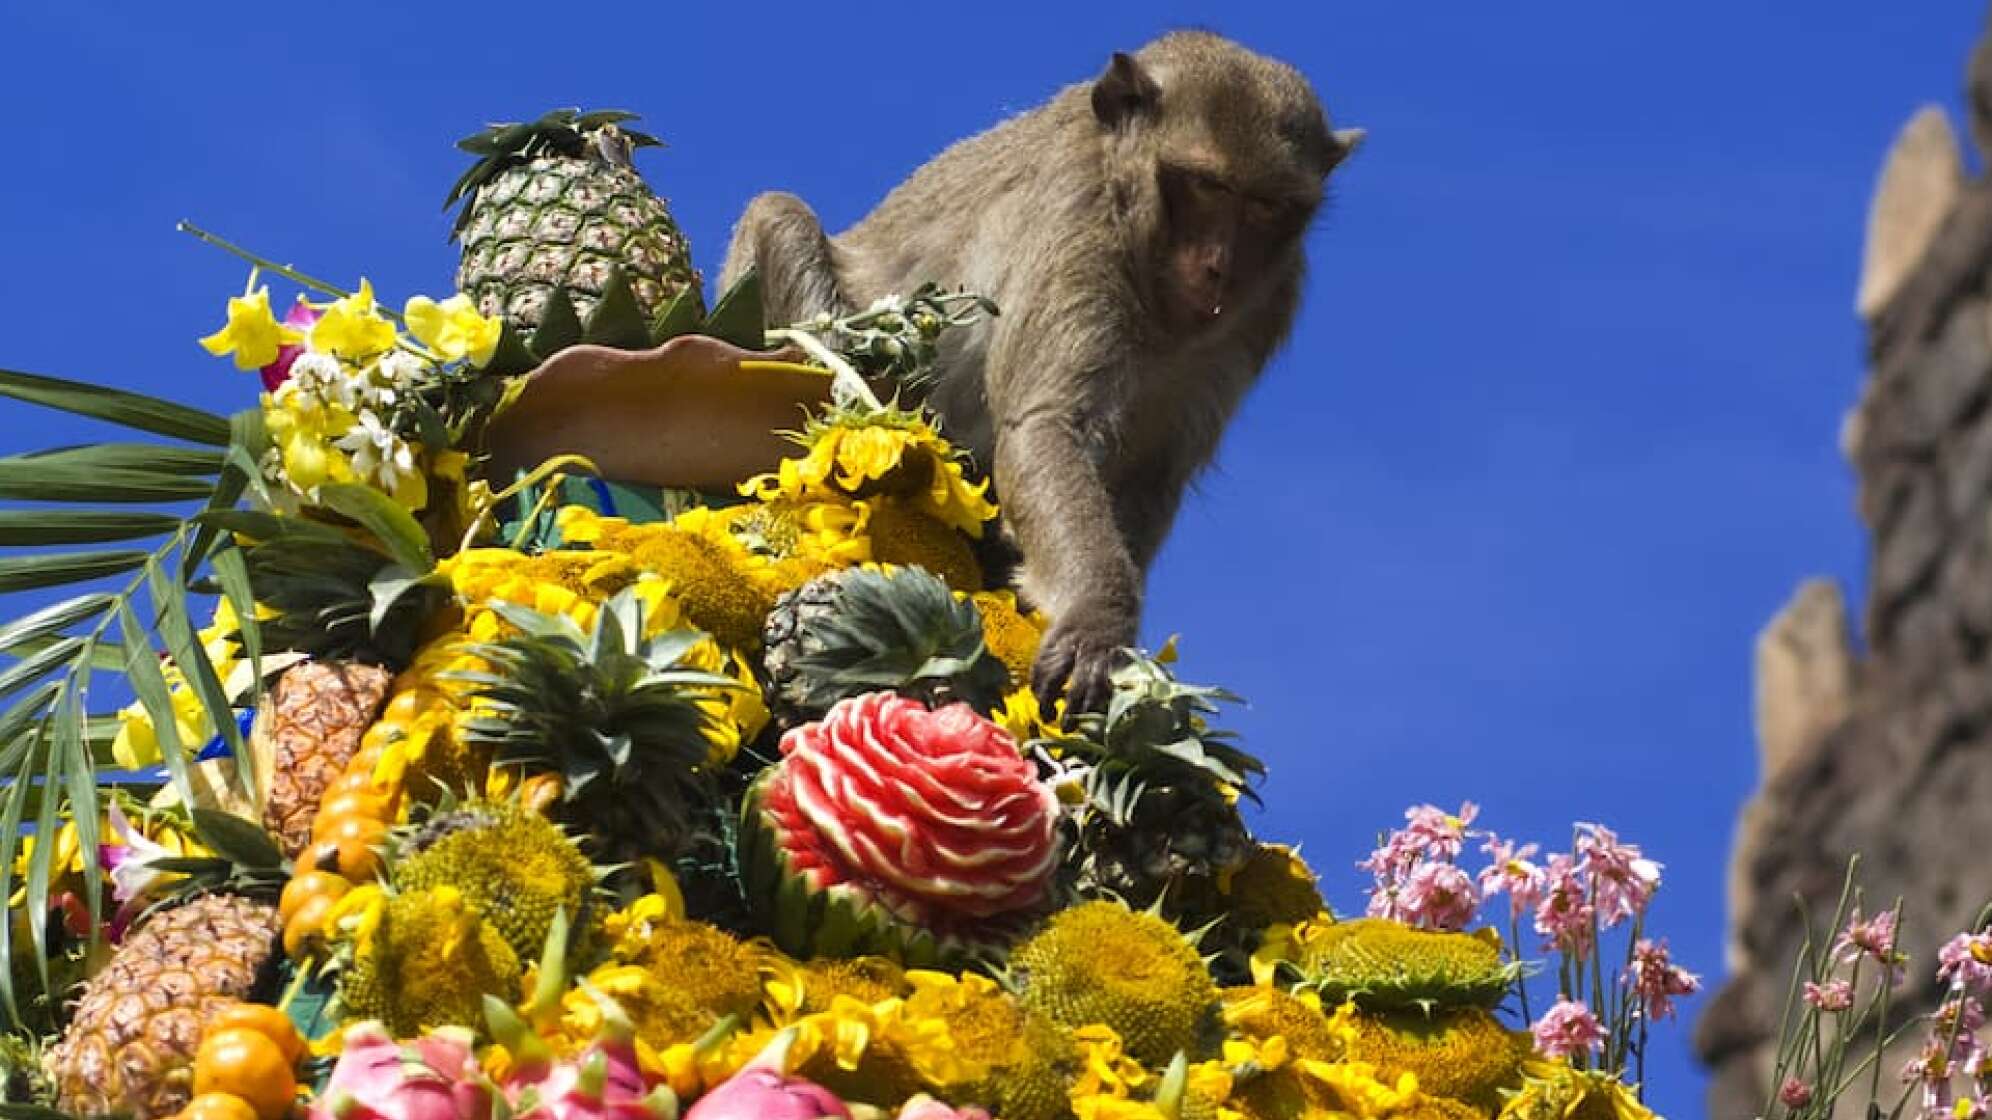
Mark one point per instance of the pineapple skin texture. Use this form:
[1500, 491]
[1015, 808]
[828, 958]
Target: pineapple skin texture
[130, 1047]
[556, 220]
[318, 713]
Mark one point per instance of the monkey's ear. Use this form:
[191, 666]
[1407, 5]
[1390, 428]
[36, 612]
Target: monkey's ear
[1347, 140]
[1124, 91]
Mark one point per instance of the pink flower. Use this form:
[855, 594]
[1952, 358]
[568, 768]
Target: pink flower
[1871, 938]
[1438, 896]
[301, 315]
[1657, 979]
[1514, 872]
[1565, 915]
[1795, 1093]
[1834, 995]
[1966, 961]
[1625, 880]
[1568, 1029]
[1431, 833]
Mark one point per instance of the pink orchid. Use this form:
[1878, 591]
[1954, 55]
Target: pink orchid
[1512, 871]
[1657, 980]
[1568, 1029]
[301, 316]
[1834, 995]
[1966, 961]
[130, 859]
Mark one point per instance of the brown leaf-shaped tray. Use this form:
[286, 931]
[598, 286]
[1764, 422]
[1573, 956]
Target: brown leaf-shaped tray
[695, 413]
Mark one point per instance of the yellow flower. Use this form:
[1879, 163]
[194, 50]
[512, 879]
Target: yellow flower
[453, 328]
[890, 453]
[252, 333]
[1011, 634]
[350, 328]
[1108, 1070]
[1552, 1090]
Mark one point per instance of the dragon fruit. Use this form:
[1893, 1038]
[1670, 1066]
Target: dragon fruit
[432, 1078]
[600, 1083]
[763, 1090]
[924, 1107]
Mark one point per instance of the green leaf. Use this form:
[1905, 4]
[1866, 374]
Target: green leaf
[163, 458]
[385, 518]
[169, 599]
[559, 326]
[512, 356]
[31, 480]
[79, 526]
[233, 571]
[238, 473]
[34, 667]
[264, 528]
[237, 840]
[41, 860]
[80, 779]
[617, 321]
[679, 317]
[738, 317]
[31, 1112]
[25, 573]
[131, 410]
[11, 812]
[100, 657]
[54, 618]
[141, 666]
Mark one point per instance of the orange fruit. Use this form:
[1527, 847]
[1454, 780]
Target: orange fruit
[349, 834]
[304, 928]
[217, 1106]
[307, 885]
[248, 1064]
[354, 858]
[266, 1021]
[407, 705]
[374, 804]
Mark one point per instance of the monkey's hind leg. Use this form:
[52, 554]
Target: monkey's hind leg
[780, 238]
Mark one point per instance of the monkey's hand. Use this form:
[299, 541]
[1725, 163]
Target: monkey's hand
[1078, 656]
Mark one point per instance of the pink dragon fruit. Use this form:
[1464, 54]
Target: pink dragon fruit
[601, 1083]
[433, 1078]
[763, 1090]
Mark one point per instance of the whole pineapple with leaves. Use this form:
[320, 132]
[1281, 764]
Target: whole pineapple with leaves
[1159, 822]
[612, 714]
[556, 205]
[864, 629]
[130, 1046]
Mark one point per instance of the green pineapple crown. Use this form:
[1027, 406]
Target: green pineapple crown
[1155, 734]
[566, 133]
[902, 630]
[615, 714]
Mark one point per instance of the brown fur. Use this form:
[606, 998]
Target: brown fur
[1109, 225]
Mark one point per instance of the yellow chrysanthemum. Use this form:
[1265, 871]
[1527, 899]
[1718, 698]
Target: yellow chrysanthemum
[873, 1053]
[986, 1023]
[252, 333]
[352, 328]
[1555, 1091]
[1107, 1070]
[891, 453]
[794, 989]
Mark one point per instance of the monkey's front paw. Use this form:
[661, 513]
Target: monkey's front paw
[1078, 659]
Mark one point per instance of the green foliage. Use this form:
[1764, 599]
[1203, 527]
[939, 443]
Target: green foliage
[903, 630]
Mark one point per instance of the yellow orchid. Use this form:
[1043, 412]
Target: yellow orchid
[350, 328]
[453, 328]
[252, 333]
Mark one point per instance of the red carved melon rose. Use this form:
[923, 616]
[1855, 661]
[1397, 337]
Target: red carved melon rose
[934, 813]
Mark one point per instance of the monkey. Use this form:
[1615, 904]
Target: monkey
[1141, 237]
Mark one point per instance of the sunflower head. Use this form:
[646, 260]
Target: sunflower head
[709, 967]
[873, 453]
[1265, 1013]
[1383, 964]
[1102, 963]
[904, 535]
[420, 959]
[1273, 886]
[1463, 1052]
[1011, 634]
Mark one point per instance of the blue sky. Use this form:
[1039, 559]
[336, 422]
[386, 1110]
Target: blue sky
[1555, 435]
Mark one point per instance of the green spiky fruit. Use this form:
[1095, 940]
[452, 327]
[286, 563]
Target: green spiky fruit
[612, 713]
[1101, 962]
[1463, 1053]
[1160, 822]
[862, 630]
[513, 866]
[554, 210]
[1384, 965]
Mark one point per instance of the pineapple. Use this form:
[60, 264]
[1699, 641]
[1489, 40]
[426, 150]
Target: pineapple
[310, 725]
[861, 630]
[555, 205]
[1160, 820]
[130, 1047]
[614, 715]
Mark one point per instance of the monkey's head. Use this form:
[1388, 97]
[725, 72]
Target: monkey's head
[1217, 157]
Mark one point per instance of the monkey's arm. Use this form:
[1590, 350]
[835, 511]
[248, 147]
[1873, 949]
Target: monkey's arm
[1052, 439]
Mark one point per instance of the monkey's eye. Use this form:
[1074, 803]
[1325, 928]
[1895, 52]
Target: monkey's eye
[1265, 211]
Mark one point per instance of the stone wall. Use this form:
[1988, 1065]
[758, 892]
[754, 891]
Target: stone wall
[1888, 752]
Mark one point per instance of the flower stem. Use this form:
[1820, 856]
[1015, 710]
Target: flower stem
[283, 270]
[848, 382]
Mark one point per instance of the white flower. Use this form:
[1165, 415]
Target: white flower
[321, 377]
[400, 369]
[891, 302]
[131, 863]
[378, 455]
